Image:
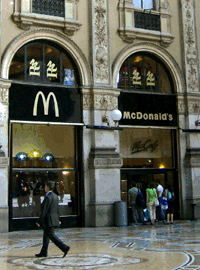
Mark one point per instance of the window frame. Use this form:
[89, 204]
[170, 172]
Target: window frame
[24, 17]
[43, 81]
[129, 32]
[157, 61]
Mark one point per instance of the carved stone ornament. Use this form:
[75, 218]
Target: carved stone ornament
[105, 102]
[4, 162]
[190, 45]
[4, 91]
[101, 67]
[2, 153]
[194, 105]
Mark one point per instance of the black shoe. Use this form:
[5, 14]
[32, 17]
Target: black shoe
[40, 255]
[66, 251]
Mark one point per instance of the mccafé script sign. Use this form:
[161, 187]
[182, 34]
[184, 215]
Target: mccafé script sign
[44, 104]
[147, 109]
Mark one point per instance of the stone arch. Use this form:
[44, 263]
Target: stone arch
[54, 36]
[156, 50]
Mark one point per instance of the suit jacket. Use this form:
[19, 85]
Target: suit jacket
[49, 216]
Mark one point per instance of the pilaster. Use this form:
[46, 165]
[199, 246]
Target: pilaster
[4, 159]
[190, 162]
[101, 149]
[100, 43]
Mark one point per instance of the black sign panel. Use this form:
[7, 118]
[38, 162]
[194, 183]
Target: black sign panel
[147, 109]
[44, 104]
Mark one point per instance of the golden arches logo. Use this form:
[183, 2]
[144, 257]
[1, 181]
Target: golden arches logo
[45, 103]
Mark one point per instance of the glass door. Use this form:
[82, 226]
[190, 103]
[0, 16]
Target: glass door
[142, 177]
[41, 153]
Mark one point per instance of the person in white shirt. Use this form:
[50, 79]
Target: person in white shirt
[159, 189]
[159, 212]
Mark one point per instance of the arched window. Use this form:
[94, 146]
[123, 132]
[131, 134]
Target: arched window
[145, 72]
[44, 62]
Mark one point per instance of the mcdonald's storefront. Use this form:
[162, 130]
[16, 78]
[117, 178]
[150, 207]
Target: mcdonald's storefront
[45, 131]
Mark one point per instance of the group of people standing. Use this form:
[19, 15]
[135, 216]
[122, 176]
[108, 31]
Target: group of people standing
[159, 203]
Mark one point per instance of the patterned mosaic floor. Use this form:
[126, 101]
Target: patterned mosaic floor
[161, 246]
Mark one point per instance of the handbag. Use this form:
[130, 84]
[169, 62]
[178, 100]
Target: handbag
[156, 202]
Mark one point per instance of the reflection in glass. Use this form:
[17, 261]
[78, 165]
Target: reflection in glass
[48, 160]
[147, 4]
[28, 192]
[144, 4]
[69, 77]
[137, 3]
[16, 71]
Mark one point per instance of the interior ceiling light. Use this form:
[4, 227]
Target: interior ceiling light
[138, 59]
[48, 157]
[35, 154]
[21, 156]
[161, 166]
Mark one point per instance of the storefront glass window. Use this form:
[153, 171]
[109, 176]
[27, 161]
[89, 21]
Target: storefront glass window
[37, 158]
[147, 148]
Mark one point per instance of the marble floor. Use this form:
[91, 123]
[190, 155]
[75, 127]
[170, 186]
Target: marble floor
[157, 247]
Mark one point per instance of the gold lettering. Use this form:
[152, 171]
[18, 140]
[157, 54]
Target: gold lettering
[136, 77]
[150, 79]
[34, 68]
[51, 69]
[126, 115]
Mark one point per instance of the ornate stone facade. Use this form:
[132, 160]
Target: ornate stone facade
[4, 88]
[100, 43]
[128, 30]
[190, 46]
[26, 19]
[99, 102]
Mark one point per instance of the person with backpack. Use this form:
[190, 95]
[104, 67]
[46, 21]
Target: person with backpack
[135, 201]
[170, 201]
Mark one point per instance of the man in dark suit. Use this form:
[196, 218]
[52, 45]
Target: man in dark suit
[49, 220]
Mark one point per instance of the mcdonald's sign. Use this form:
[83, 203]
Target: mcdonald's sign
[44, 104]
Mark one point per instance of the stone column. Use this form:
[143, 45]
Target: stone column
[4, 159]
[101, 151]
[190, 145]
[101, 147]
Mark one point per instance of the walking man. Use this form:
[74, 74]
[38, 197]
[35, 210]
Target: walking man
[49, 219]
